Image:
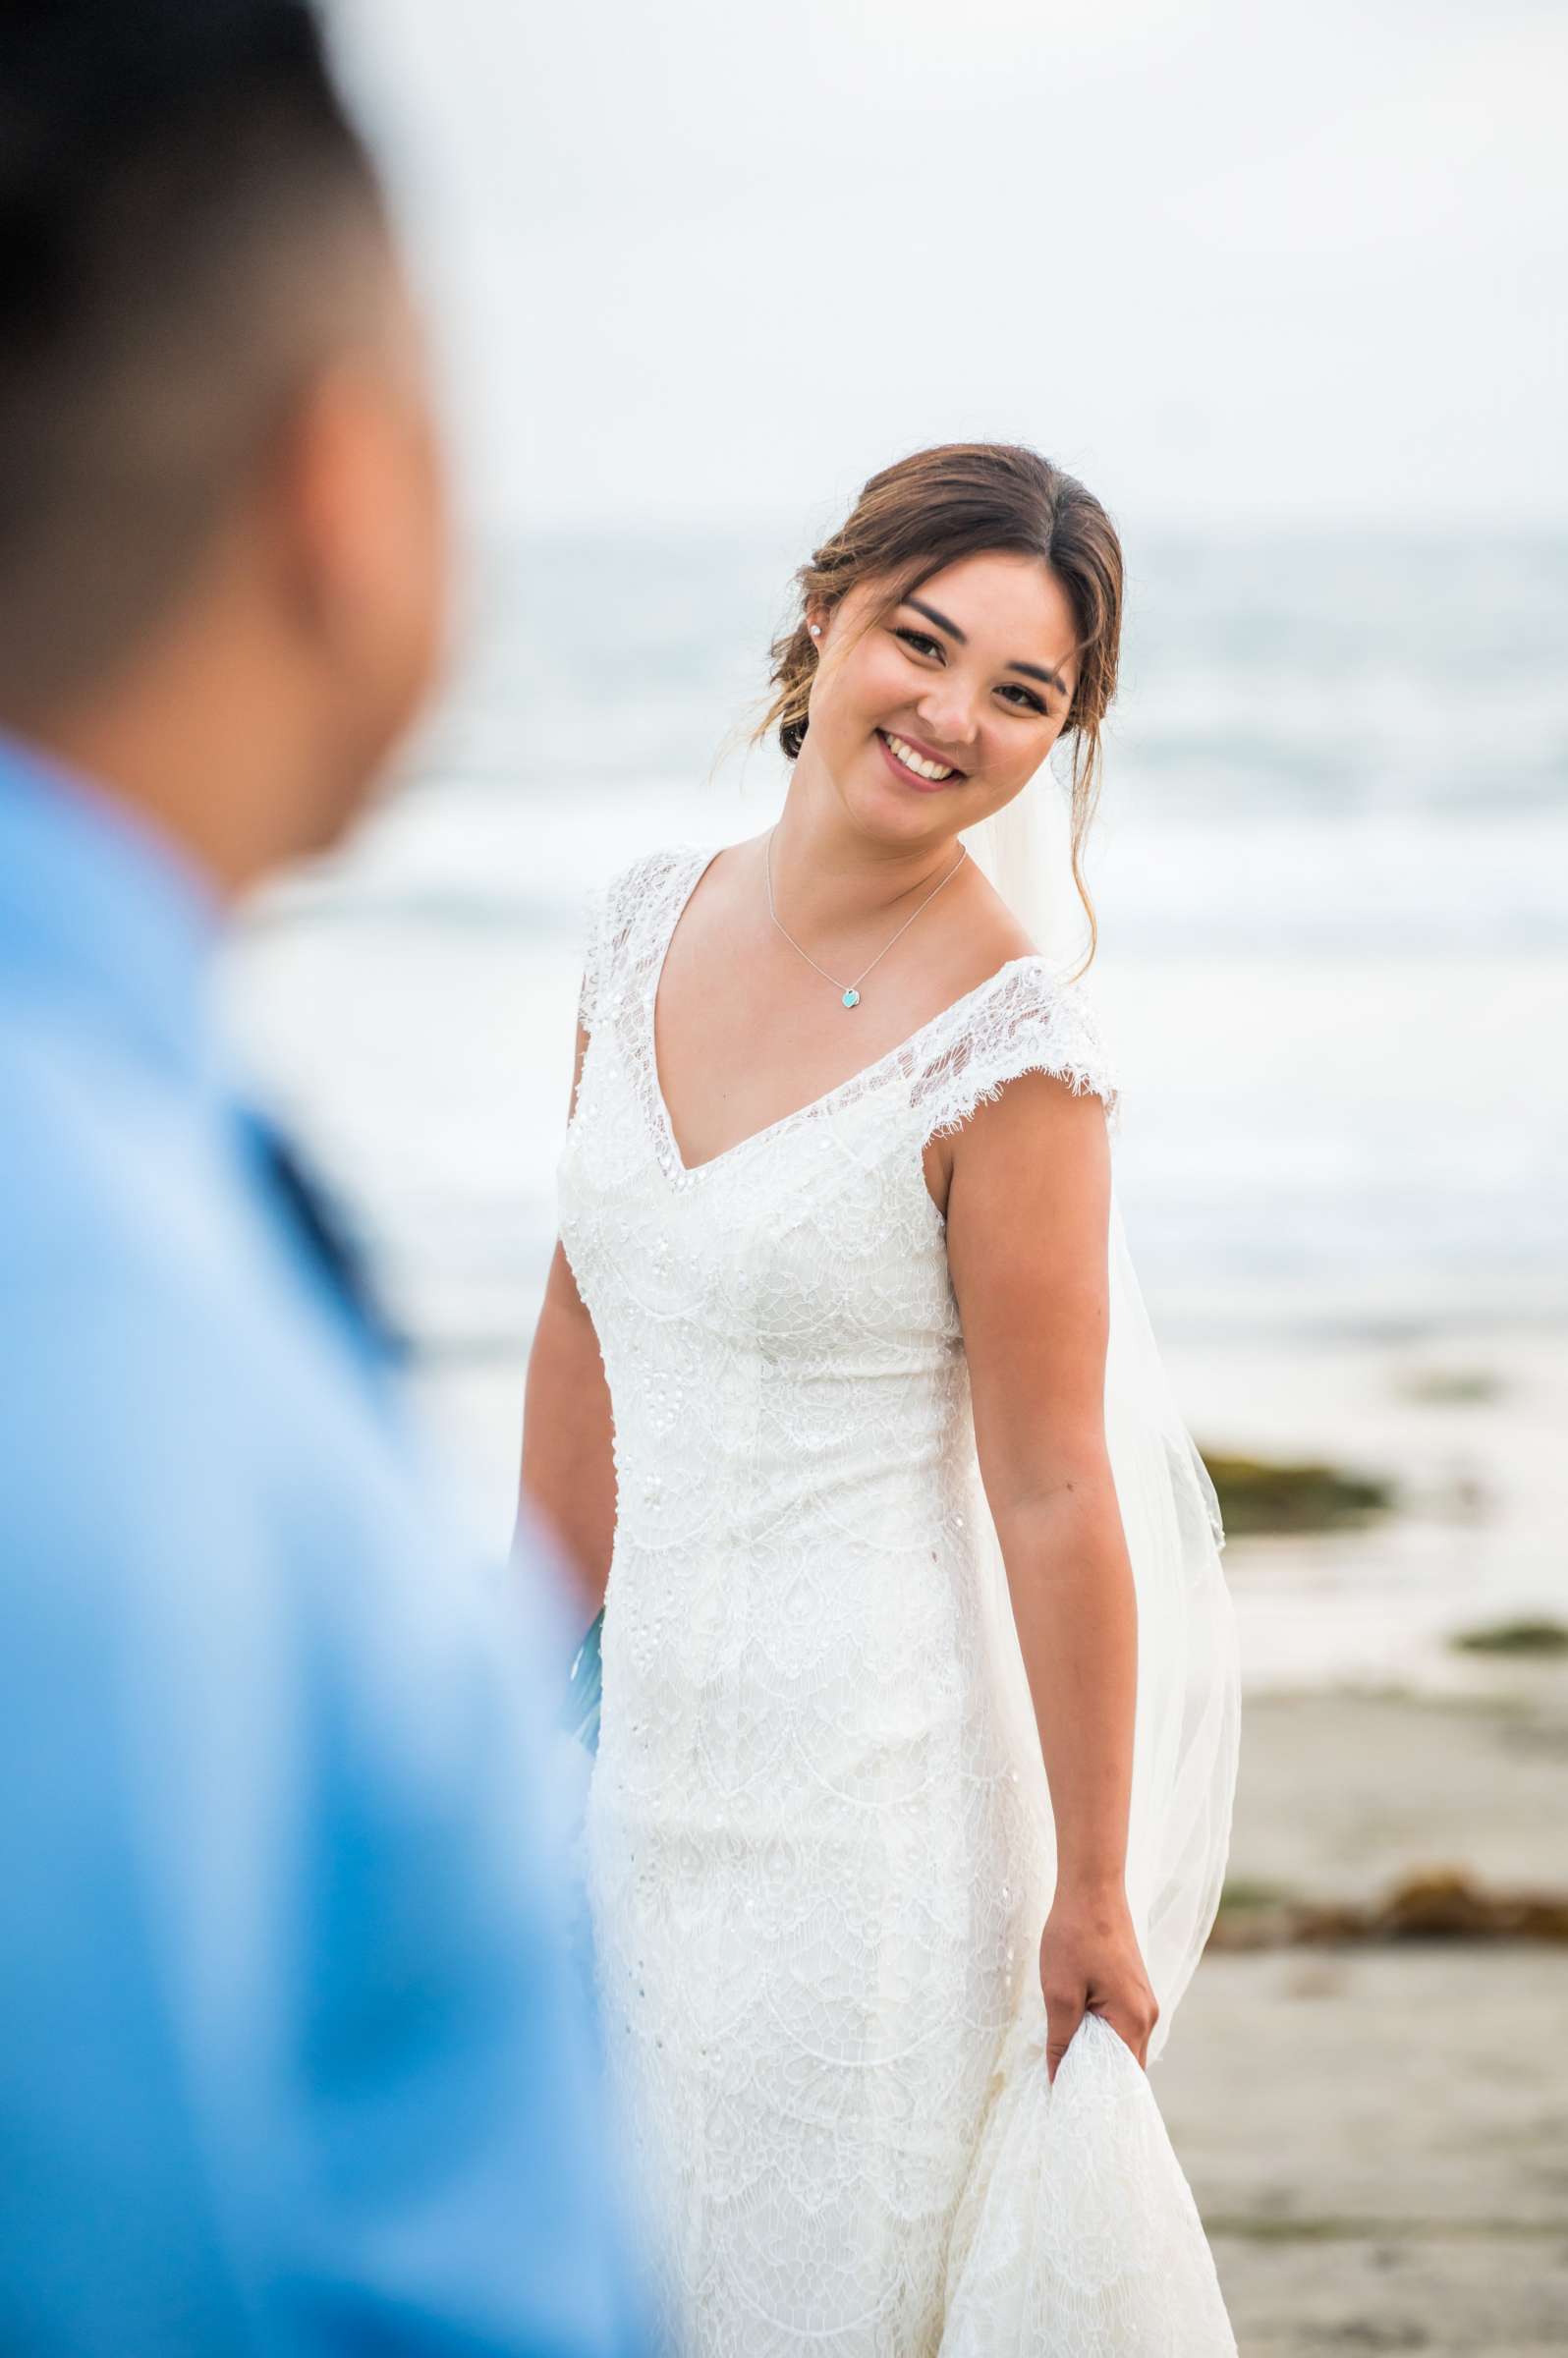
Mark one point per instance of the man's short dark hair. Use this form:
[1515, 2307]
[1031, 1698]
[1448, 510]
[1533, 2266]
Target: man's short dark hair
[175, 177]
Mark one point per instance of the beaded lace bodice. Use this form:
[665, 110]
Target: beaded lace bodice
[810, 1866]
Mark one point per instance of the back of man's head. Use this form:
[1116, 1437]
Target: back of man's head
[180, 189]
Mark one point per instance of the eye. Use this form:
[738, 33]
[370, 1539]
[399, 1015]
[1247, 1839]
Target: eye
[1030, 699]
[921, 639]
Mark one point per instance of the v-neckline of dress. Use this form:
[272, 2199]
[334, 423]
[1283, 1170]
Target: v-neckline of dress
[677, 1169]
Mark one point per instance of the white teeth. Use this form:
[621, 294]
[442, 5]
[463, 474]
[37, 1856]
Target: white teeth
[917, 762]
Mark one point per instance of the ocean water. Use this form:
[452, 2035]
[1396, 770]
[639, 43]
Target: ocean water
[1331, 875]
[1330, 867]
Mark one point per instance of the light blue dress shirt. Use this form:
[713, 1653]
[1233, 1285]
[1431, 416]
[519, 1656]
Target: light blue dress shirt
[292, 2058]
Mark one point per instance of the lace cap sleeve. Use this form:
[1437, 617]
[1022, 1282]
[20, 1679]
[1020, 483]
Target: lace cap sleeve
[1027, 1022]
[595, 909]
[620, 916]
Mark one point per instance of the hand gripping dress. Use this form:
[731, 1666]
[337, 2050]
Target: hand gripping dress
[816, 1876]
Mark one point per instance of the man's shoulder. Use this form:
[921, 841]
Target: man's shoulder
[156, 1325]
[93, 1142]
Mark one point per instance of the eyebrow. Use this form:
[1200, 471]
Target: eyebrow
[1052, 679]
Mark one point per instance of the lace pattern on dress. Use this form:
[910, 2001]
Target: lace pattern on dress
[1021, 1020]
[595, 906]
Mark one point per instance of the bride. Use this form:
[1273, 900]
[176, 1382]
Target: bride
[917, 1742]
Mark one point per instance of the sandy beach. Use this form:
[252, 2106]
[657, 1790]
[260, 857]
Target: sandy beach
[1378, 2134]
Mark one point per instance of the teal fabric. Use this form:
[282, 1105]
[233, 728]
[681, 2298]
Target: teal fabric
[582, 1715]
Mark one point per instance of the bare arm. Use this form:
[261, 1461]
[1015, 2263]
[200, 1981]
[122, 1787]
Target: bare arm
[567, 1473]
[1028, 1217]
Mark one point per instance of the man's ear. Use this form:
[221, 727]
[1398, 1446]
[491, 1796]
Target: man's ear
[327, 479]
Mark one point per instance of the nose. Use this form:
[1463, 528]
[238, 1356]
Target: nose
[947, 714]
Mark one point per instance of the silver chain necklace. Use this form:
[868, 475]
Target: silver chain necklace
[850, 991]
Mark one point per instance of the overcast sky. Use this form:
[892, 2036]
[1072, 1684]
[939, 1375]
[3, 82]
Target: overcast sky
[705, 261]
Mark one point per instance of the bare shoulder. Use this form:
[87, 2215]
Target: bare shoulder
[1026, 1143]
[991, 932]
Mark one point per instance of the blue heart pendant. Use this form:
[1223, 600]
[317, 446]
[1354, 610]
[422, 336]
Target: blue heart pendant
[852, 998]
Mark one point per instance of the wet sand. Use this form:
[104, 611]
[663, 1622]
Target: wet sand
[1378, 2135]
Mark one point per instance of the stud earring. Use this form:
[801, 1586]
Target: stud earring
[816, 630]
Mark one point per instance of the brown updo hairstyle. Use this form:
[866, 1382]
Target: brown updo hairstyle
[925, 512]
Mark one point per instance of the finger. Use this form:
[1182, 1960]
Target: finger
[1130, 2032]
[1063, 2015]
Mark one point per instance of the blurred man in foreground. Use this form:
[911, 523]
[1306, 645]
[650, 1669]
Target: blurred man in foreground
[290, 2054]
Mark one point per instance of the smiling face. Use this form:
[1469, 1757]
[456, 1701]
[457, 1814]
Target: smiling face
[970, 679]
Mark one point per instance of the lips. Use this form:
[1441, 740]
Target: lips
[927, 753]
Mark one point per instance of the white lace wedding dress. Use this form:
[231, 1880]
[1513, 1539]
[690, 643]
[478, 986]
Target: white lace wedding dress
[814, 1886]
